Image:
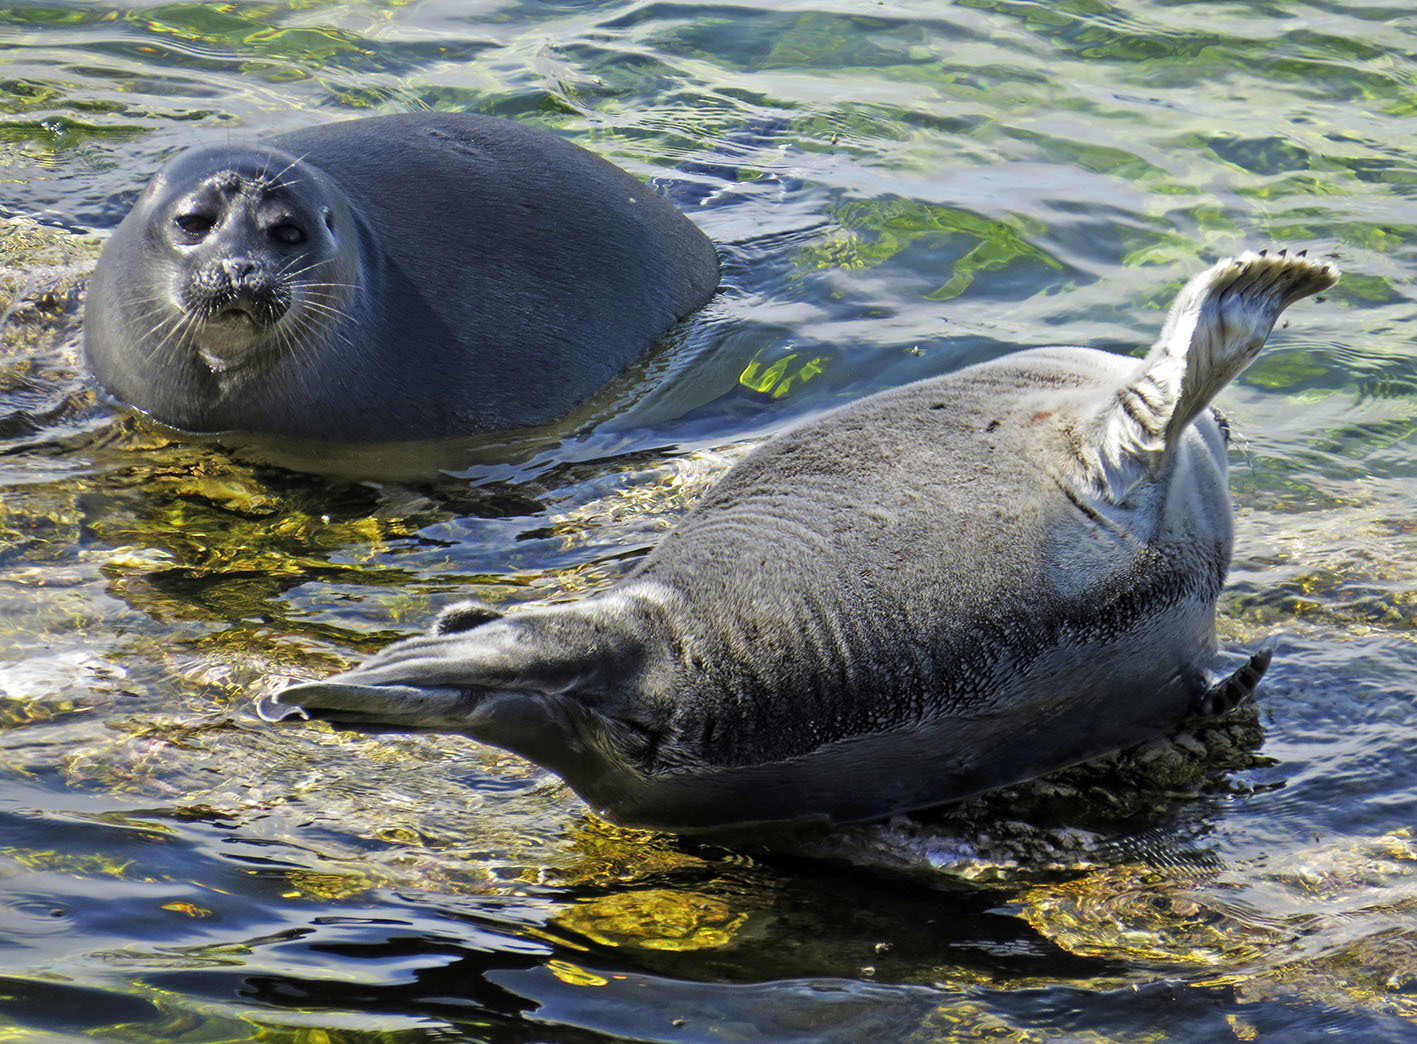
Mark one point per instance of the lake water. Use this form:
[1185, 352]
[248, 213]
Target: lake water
[899, 189]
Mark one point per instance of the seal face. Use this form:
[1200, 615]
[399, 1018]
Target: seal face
[244, 243]
[391, 278]
[956, 585]
[241, 260]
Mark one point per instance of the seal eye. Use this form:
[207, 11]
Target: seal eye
[287, 233]
[194, 225]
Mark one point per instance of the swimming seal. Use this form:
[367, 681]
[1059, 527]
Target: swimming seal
[387, 279]
[960, 584]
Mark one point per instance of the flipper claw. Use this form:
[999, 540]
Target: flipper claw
[1234, 689]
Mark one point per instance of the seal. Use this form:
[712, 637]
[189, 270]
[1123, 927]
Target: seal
[387, 279]
[952, 586]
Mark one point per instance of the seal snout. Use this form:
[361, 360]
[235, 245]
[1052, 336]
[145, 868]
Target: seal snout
[238, 269]
[238, 287]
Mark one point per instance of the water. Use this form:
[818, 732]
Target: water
[899, 189]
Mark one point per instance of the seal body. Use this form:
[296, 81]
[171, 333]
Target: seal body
[390, 278]
[952, 586]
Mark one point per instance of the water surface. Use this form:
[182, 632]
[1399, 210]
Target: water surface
[899, 189]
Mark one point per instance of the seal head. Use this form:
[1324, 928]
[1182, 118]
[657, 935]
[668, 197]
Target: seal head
[246, 259]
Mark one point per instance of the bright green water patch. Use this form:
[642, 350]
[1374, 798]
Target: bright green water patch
[875, 231]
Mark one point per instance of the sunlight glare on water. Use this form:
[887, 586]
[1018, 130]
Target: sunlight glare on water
[898, 190]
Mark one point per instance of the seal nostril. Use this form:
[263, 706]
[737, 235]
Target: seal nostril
[238, 269]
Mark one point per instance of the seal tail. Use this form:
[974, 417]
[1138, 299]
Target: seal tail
[1215, 329]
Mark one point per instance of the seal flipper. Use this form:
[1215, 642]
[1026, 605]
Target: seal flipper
[1215, 329]
[1234, 689]
[464, 616]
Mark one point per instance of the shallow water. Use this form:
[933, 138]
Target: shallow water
[899, 190]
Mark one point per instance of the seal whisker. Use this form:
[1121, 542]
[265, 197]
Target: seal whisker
[325, 283]
[292, 341]
[301, 340]
[158, 308]
[322, 309]
[287, 272]
[319, 296]
[329, 306]
[295, 162]
[324, 290]
[181, 326]
[169, 333]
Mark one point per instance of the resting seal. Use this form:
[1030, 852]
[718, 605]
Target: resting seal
[387, 279]
[956, 585]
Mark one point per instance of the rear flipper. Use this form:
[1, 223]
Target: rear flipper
[1220, 322]
[1215, 329]
[1233, 690]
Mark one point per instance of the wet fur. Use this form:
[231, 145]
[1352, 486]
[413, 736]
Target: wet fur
[927, 593]
[463, 274]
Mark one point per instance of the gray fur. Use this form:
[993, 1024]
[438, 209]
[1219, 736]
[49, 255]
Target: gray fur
[457, 274]
[952, 586]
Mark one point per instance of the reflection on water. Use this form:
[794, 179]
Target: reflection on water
[898, 190]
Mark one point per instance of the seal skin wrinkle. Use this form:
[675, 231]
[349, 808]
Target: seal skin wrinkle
[387, 279]
[956, 585]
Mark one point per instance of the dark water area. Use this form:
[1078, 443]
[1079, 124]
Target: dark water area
[898, 190]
